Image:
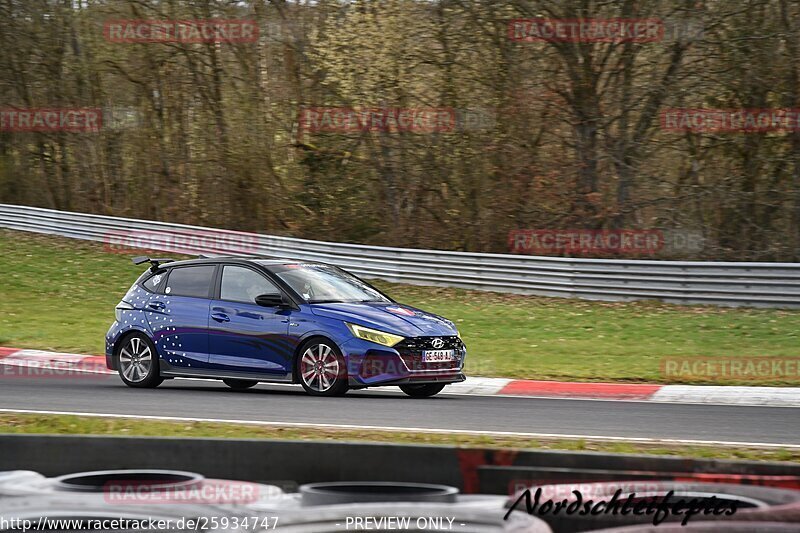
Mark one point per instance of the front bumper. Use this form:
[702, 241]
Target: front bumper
[372, 365]
[421, 380]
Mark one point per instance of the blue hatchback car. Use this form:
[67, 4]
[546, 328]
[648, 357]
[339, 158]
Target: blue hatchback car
[245, 320]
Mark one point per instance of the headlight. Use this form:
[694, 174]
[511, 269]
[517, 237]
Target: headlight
[374, 335]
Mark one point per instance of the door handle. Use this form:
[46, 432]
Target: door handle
[156, 305]
[220, 317]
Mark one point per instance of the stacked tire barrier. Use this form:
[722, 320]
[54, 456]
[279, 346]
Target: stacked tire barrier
[80, 500]
[74, 502]
[317, 486]
[755, 284]
[85, 498]
[338, 506]
[292, 463]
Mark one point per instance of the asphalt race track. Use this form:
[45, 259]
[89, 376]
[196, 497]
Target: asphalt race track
[385, 408]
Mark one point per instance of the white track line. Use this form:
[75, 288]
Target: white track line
[643, 440]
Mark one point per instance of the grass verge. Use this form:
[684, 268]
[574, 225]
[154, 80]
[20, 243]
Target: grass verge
[77, 425]
[59, 294]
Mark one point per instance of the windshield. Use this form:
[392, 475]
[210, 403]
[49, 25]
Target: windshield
[325, 284]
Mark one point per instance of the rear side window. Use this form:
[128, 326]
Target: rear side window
[190, 281]
[153, 283]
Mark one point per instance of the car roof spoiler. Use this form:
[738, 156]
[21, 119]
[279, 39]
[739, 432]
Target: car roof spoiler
[154, 262]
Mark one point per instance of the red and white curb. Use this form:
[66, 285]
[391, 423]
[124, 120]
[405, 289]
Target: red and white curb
[65, 363]
[766, 396]
[53, 362]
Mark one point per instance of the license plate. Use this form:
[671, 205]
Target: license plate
[438, 356]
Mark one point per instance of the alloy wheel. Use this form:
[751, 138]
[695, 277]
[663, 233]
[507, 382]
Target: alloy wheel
[135, 360]
[319, 368]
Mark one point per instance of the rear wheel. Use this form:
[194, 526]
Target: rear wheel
[321, 369]
[423, 390]
[138, 363]
[239, 384]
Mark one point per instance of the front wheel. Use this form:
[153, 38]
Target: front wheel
[422, 391]
[138, 363]
[321, 369]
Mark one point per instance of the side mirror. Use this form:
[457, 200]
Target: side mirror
[271, 300]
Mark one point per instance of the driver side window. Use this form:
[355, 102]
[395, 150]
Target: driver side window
[241, 284]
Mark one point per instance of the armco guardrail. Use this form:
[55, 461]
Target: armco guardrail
[688, 282]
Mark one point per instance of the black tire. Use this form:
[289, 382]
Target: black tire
[138, 362]
[425, 390]
[326, 380]
[240, 384]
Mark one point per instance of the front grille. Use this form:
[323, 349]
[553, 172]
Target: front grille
[411, 352]
[426, 343]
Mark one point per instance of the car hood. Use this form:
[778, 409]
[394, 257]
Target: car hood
[390, 317]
